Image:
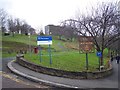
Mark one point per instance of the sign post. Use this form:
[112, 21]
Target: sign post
[86, 50]
[86, 46]
[99, 54]
[40, 51]
[50, 54]
[45, 40]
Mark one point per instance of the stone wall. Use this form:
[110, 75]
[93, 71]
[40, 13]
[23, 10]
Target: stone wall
[61, 73]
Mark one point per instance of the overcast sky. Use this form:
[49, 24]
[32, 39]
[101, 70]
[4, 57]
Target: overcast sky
[39, 13]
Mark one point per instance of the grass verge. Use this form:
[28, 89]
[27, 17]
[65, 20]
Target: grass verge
[69, 61]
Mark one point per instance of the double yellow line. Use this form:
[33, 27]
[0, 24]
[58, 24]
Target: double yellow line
[16, 80]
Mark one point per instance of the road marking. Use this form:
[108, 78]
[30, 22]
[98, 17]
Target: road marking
[37, 79]
[4, 74]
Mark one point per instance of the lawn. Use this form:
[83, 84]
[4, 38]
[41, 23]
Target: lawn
[14, 44]
[65, 54]
[69, 61]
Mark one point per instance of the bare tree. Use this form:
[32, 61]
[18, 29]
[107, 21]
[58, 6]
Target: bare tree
[101, 25]
[69, 29]
[25, 28]
[12, 25]
[56, 30]
[32, 31]
[69, 32]
[3, 19]
[18, 25]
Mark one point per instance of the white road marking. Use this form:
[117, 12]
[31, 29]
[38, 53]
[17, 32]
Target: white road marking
[35, 78]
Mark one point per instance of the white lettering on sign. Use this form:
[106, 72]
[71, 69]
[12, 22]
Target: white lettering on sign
[44, 40]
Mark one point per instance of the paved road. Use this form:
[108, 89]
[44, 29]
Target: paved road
[108, 82]
[4, 62]
[10, 80]
[9, 83]
[18, 82]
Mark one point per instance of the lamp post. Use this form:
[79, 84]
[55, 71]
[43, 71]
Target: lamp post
[29, 43]
[118, 28]
[118, 42]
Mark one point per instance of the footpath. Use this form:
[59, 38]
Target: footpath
[107, 82]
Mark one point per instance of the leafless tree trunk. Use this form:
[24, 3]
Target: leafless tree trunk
[18, 25]
[101, 25]
[3, 17]
[12, 25]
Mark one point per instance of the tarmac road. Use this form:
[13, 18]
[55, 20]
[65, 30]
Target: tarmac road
[14, 83]
[107, 82]
[10, 80]
[18, 82]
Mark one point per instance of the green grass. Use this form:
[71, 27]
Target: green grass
[5, 55]
[65, 55]
[11, 48]
[69, 61]
[22, 42]
[12, 45]
[21, 38]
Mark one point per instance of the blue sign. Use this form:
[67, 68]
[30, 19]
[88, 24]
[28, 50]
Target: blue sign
[44, 40]
[99, 54]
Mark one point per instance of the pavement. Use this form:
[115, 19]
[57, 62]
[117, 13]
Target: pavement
[11, 80]
[108, 82]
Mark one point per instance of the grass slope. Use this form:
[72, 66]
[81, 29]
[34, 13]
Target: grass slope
[14, 44]
[65, 54]
[70, 61]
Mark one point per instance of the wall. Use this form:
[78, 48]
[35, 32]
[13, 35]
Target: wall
[76, 75]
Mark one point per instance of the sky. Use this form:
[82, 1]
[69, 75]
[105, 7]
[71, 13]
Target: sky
[39, 13]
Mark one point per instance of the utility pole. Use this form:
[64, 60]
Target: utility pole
[118, 30]
[29, 42]
[118, 42]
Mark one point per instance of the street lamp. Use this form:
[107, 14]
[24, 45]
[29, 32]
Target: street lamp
[29, 43]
